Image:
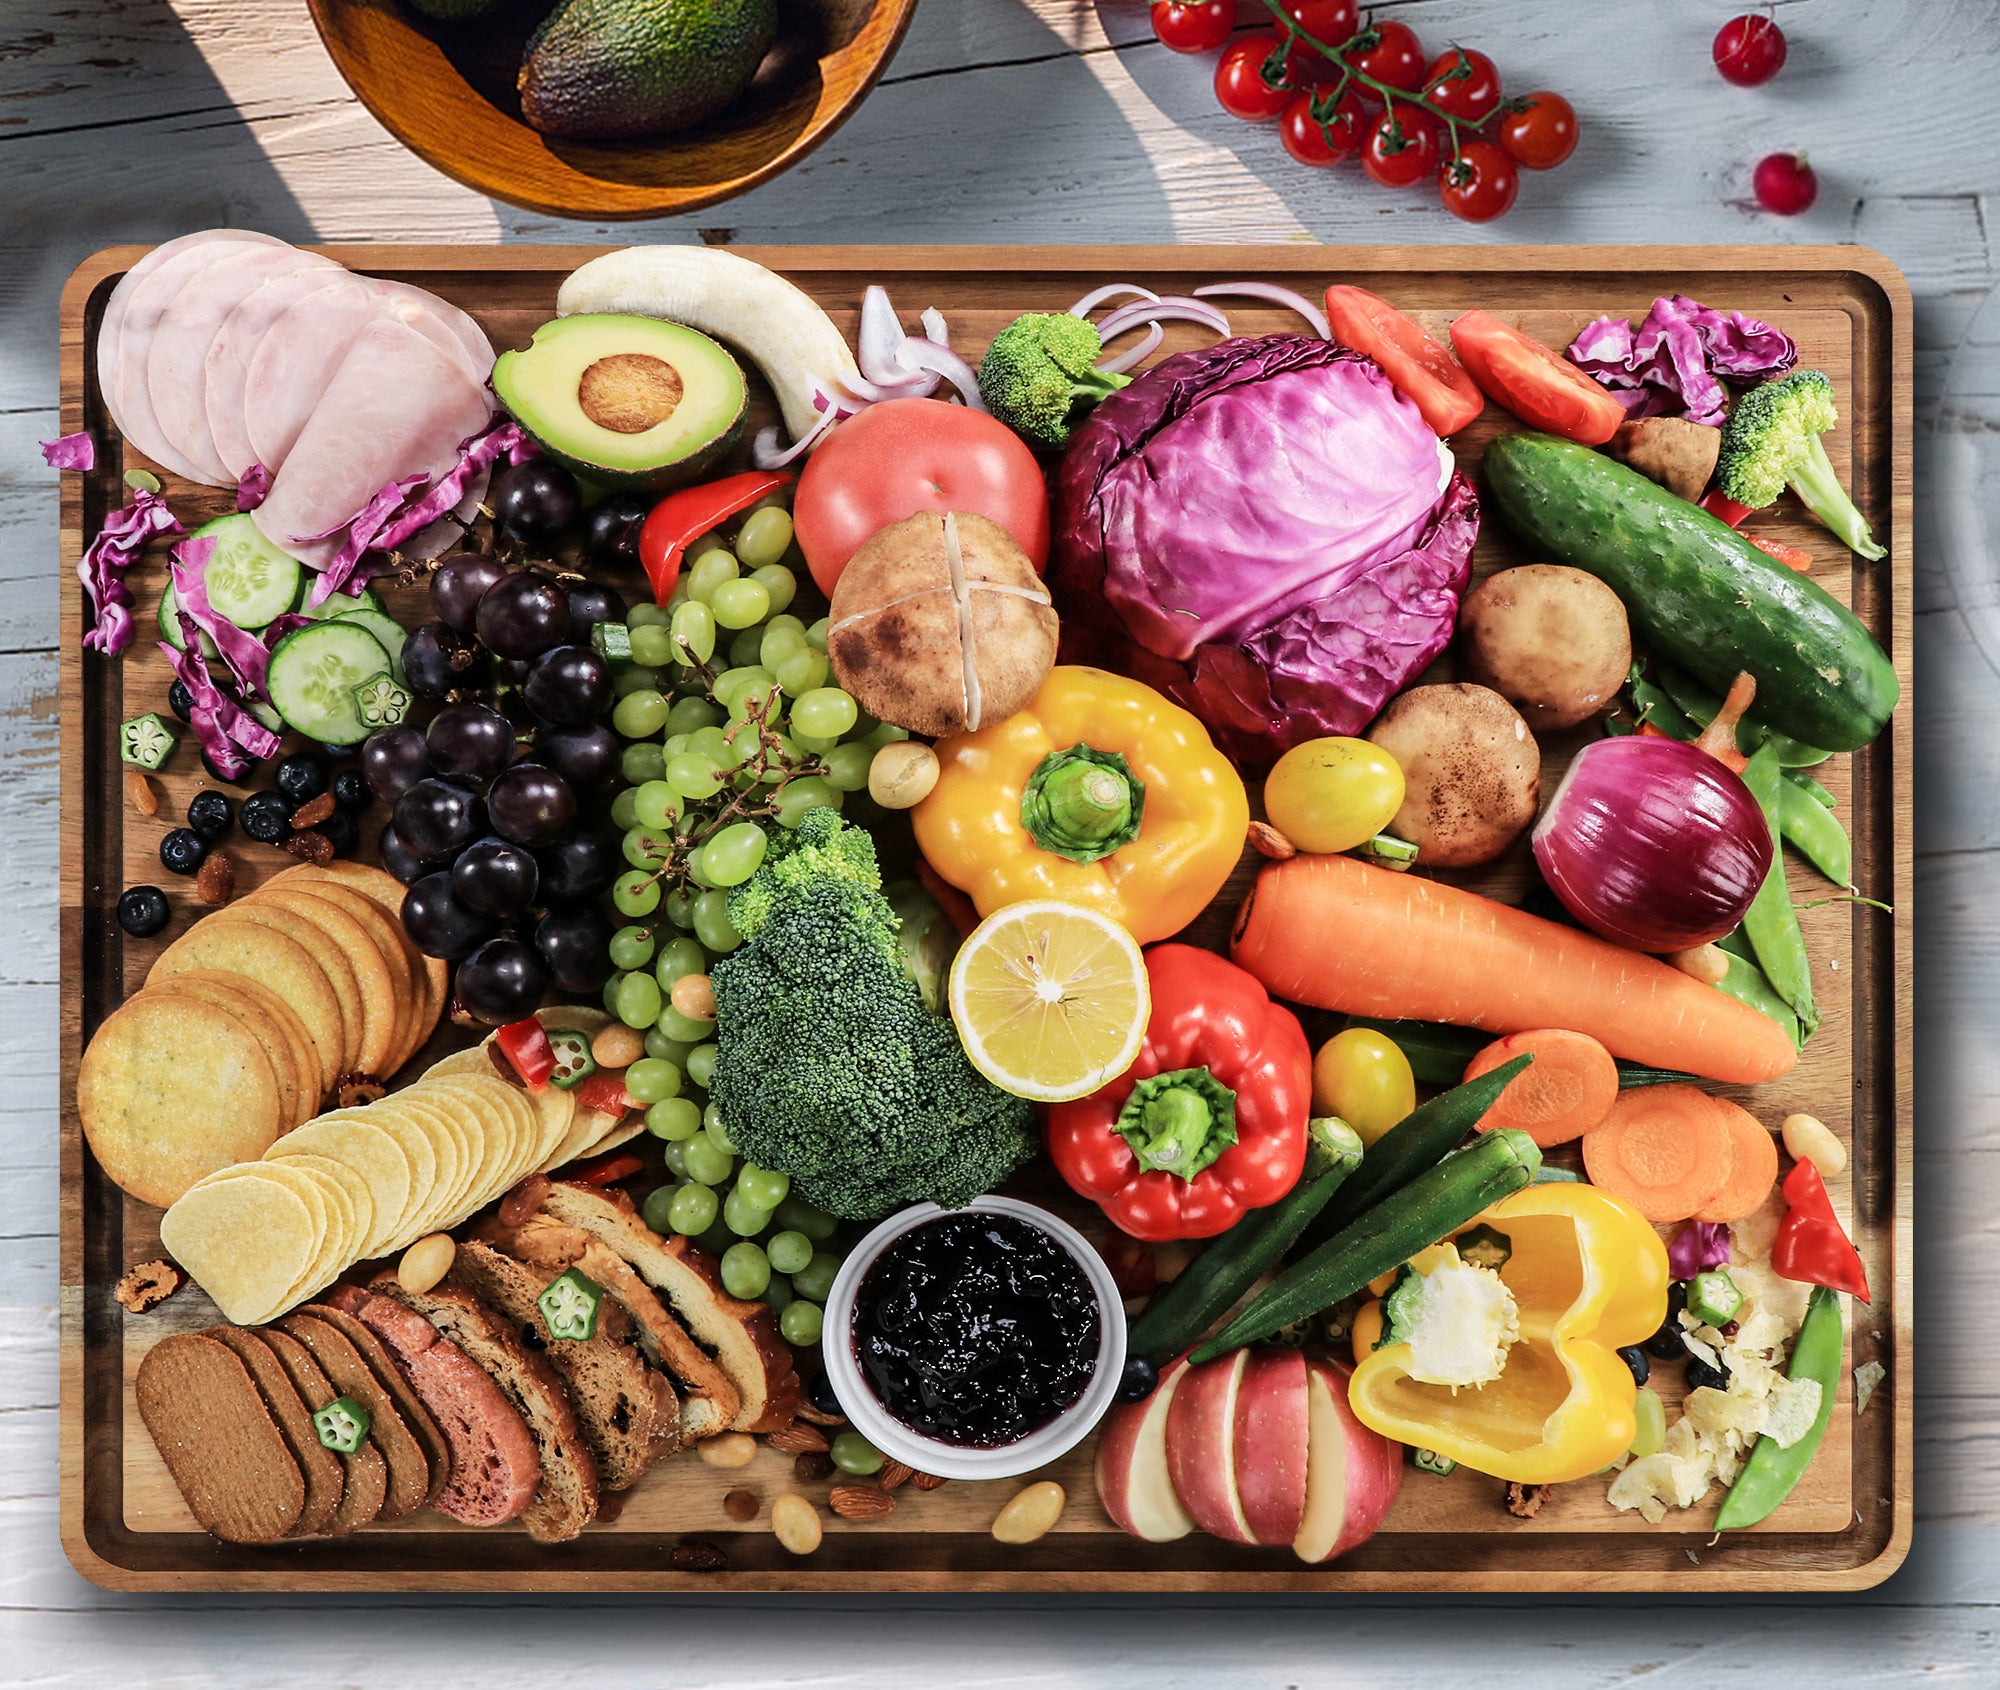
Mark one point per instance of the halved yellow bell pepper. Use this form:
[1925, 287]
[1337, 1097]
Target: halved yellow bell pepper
[1589, 1275]
[1100, 793]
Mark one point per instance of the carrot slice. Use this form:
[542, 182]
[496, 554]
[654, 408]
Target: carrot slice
[1568, 1088]
[1753, 1170]
[1666, 1150]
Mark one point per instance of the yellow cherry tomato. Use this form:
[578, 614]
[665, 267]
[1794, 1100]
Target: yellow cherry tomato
[1364, 1078]
[1333, 794]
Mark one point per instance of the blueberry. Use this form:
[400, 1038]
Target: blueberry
[267, 817]
[1137, 1381]
[1635, 1358]
[180, 701]
[350, 790]
[182, 850]
[303, 775]
[143, 911]
[1699, 1373]
[342, 832]
[820, 1392]
[210, 814]
[217, 773]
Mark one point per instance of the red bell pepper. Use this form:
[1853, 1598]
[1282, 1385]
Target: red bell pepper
[1790, 556]
[1811, 1246]
[605, 1170]
[606, 1094]
[1715, 502]
[691, 513]
[1209, 1121]
[526, 1046]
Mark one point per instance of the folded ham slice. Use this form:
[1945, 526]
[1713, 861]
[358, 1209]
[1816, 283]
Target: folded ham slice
[235, 345]
[397, 406]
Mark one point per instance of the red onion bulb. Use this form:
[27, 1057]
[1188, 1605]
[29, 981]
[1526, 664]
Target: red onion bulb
[1653, 843]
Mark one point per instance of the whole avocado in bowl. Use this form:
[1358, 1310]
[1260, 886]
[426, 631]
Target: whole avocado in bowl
[616, 69]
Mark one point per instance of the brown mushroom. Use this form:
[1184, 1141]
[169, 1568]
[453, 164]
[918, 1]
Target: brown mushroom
[1472, 773]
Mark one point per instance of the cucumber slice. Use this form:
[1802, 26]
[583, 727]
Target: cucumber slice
[265, 714]
[334, 604]
[249, 579]
[389, 633]
[314, 673]
[170, 623]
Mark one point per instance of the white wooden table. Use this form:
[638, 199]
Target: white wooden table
[1037, 120]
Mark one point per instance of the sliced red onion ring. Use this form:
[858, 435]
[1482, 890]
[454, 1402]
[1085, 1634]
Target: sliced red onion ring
[879, 345]
[766, 453]
[947, 363]
[859, 392]
[1170, 309]
[1111, 290]
[935, 327]
[1291, 300]
[1134, 354]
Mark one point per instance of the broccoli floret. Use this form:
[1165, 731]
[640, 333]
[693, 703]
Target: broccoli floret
[1459, 1319]
[1040, 375]
[830, 1066]
[1772, 441]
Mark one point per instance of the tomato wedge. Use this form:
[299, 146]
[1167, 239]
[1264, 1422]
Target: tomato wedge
[1542, 388]
[1424, 371]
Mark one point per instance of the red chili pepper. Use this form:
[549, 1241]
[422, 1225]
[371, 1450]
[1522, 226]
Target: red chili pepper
[1209, 1121]
[606, 1170]
[1811, 1246]
[527, 1047]
[1790, 556]
[691, 513]
[606, 1094]
[1716, 503]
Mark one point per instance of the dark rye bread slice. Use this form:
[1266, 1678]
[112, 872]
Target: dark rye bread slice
[365, 1473]
[326, 1483]
[351, 1376]
[566, 1500]
[625, 1407]
[219, 1441]
[743, 1336]
[495, 1469]
[708, 1400]
[423, 1427]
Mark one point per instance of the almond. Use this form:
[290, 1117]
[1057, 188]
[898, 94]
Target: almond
[797, 1439]
[928, 1481]
[1267, 841]
[894, 1473]
[860, 1502]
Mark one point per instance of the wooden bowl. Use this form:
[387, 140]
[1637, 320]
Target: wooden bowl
[447, 92]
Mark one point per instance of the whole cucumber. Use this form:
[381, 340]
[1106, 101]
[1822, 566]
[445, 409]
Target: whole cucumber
[1697, 592]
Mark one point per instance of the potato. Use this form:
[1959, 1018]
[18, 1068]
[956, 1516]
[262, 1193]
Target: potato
[1472, 773]
[1552, 641]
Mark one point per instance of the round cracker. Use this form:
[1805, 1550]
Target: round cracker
[357, 1141]
[312, 940]
[408, 981]
[295, 1083]
[286, 1019]
[246, 1239]
[173, 1088]
[279, 962]
[380, 1008]
[386, 892]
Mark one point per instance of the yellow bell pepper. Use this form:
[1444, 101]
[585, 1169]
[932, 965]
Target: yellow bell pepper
[1100, 793]
[1589, 1277]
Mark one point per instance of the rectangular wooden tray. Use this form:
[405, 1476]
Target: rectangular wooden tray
[1848, 1525]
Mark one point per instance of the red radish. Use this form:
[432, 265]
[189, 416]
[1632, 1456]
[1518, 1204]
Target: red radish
[1271, 1459]
[1785, 183]
[1749, 50]
[1132, 1478]
[1352, 1473]
[1201, 1446]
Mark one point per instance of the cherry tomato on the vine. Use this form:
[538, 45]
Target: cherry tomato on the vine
[1538, 130]
[1240, 88]
[1390, 53]
[1310, 143]
[1193, 26]
[1480, 184]
[1749, 50]
[1402, 148]
[1463, 84]
[1333, 22]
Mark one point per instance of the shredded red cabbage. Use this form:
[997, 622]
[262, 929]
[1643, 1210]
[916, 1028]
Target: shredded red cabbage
[1668, 366]
[475, 457]
[344, 572]
[73, 451]
[1697, 1247]
[253, 487]
[119, 544]
[232, 737]
[279, 626]
[247, 656]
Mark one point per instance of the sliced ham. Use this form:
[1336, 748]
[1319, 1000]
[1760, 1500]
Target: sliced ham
[235, 345]
[131, 317]
[495, 1469]
[176, 367]
[397, 406]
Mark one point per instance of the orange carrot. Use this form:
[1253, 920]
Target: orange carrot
[1753, 1171]
[1570, 1086]
[1667, 1150]
[1339, 934]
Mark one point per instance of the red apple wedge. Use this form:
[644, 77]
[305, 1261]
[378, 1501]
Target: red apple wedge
[1201, 1446]
[1352, 1473]
[1271, 1444]
[1132, 1478]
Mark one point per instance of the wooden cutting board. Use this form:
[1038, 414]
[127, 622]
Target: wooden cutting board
[1848, 1524]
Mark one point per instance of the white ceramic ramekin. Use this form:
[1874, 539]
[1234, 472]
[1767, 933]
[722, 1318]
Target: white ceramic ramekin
[955, 1461]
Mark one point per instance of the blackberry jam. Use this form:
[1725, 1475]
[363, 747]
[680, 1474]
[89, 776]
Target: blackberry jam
[976, 1329]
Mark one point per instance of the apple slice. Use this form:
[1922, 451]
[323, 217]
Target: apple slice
[1352, 1473]
[1132, 1478]
[1201, 1446]
[1271, 1444]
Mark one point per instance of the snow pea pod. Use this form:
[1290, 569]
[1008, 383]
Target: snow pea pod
[1772, 924]
[1745, 983]
[1805, 783]
[1815, 831]
[1770, 1473]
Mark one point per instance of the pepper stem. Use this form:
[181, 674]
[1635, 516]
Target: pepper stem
[1083, 803]
[1179, 1122]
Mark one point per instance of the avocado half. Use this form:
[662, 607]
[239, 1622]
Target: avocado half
[632, 402]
